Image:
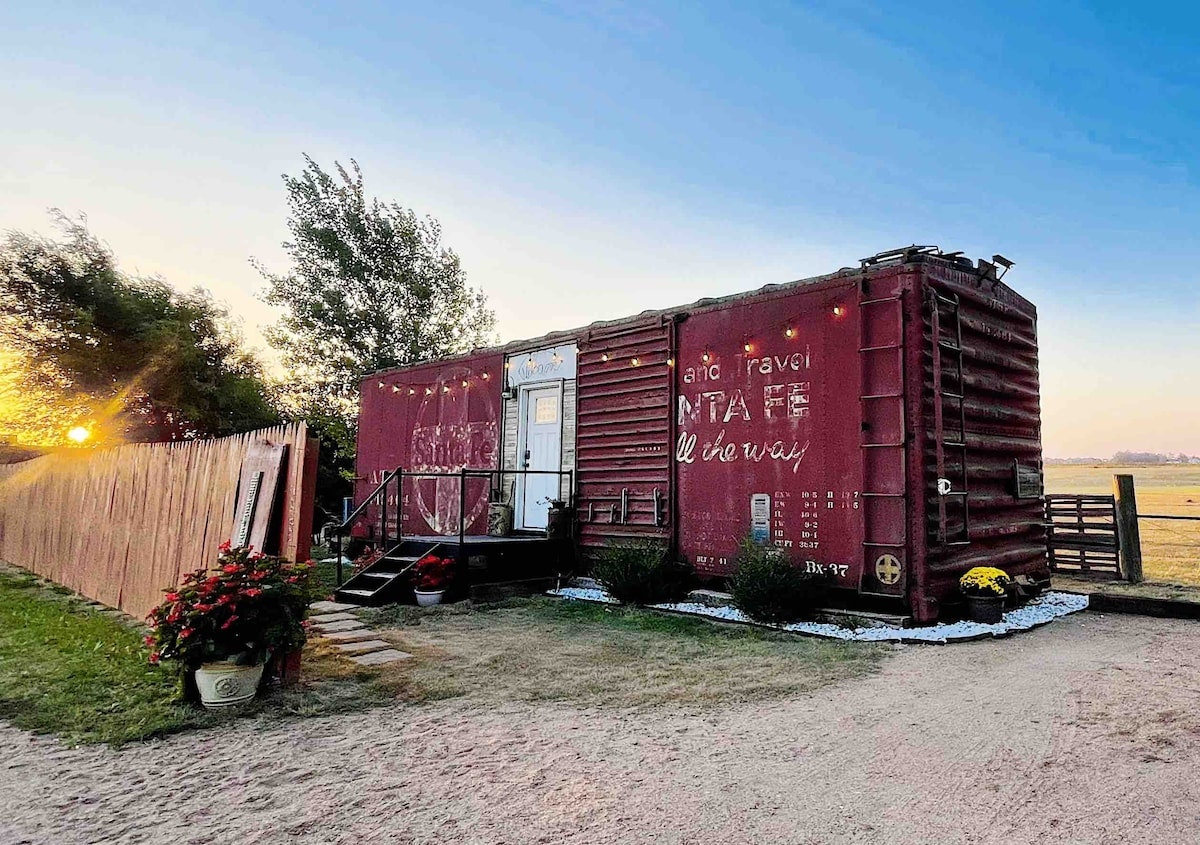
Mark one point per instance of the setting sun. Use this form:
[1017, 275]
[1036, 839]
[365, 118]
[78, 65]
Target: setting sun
[79, 434]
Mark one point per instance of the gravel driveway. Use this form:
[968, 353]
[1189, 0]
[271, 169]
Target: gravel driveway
[1085, 731]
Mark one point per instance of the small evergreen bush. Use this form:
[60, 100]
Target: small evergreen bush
[768, 588]
[639, 572]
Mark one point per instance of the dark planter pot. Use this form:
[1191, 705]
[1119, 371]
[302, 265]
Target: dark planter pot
[986, 609]
[500, 519]
[558, 521]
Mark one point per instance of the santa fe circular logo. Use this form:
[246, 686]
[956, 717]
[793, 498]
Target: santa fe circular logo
[887, 569]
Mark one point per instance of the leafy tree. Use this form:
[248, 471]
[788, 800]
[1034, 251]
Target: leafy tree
[370, 287]
[160, 364]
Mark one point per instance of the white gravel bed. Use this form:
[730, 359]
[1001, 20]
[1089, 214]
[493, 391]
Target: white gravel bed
[1041, 610]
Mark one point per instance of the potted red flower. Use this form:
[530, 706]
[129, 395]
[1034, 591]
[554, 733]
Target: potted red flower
[433, 577]
[223, 624]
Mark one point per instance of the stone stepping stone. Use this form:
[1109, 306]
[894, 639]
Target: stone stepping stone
[334, 627]
[330, 606]
[349, 636]
[362, 645]
[332, 617]
[380, 658]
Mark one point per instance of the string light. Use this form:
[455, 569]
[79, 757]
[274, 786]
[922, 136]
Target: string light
[746, 346]
[637, 362]
[445, 388]
[464, 382]
[395, 388]
[789, 332]
[382, 385]
[706, 357]
[429, 391]
[670, 362]
[838, 310]
[485, 376]
[411, 391]
[603, 356]
[508, 365]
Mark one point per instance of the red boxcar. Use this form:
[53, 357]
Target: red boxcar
[879, 424]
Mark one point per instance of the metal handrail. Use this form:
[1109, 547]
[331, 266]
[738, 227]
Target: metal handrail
[341, 529]
[358, 510]
[399, 474]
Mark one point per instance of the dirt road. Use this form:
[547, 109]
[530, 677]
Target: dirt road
[1087, 731]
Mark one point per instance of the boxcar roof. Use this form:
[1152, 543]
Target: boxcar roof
[888, 260]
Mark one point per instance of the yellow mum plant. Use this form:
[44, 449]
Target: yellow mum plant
[984, 581]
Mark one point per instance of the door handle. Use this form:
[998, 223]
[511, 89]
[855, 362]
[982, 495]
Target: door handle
[525, 465]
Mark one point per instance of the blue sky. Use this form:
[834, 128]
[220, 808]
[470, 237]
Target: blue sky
[591, 160]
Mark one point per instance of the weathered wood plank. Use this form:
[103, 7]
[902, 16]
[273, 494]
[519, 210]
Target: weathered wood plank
[120, 525]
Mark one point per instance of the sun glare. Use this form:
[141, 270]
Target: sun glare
[79, 434]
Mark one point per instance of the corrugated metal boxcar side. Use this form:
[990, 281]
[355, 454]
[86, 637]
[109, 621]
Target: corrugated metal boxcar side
[623, 434]
[881, 424]
[979, 381]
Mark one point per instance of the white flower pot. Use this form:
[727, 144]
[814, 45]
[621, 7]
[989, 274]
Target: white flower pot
[429, 598]
[227, 684]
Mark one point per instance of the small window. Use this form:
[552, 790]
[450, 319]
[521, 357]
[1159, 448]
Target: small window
[545, 410]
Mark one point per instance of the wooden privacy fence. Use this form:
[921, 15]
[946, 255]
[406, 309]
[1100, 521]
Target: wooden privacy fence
[120, 525]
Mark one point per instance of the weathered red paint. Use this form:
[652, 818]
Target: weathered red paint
[436, 417]
[764, 395]
[832, 414]
[622, 443]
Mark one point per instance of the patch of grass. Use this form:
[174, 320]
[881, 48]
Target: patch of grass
[68, 669]
[82, 674]
[324, 578]
[544, 649]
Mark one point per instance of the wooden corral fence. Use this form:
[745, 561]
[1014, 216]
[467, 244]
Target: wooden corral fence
[120, 525]
[1099, 536]
[1082, 535]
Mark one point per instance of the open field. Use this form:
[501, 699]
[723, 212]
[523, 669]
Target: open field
[1083, 731]
[1170, 549]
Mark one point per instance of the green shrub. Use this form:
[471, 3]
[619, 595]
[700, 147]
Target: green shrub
[639, 572]
[769, 588]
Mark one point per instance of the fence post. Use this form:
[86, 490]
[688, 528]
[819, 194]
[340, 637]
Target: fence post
[1128, 538]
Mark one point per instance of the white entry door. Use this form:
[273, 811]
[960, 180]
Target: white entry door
[539, 448]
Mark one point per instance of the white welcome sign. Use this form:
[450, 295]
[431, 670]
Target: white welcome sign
[557, 362]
